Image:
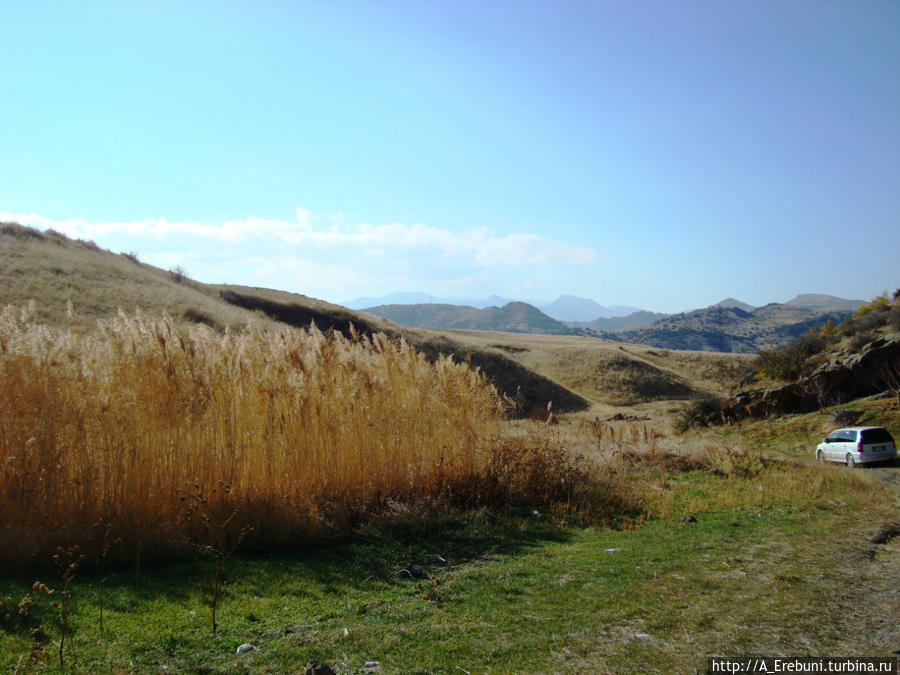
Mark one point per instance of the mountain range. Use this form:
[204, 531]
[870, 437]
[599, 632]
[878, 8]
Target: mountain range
[564, 308]
[727, 326]
[52, 269]
[513, 317]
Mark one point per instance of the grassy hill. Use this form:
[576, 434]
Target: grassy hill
[54, 273]
[52, 270]
[616, 374]
[513, 317]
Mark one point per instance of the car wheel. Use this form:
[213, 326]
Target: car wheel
[850, 461]
[819, 456]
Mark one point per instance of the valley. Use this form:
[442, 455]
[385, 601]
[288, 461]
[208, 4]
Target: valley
[254, 480]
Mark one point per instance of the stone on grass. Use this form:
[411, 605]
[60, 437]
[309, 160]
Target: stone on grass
[316, 668]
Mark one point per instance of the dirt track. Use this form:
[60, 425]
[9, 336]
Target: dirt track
[868, 603]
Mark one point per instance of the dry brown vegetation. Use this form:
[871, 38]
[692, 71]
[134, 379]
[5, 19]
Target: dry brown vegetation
[51, 269]
[573, 372]
[140, 432]
[57, 272]
[615, 373]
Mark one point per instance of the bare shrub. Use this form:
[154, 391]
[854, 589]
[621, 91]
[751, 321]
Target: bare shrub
[20, 231]
[871, 320]
[178, 274]
[894, 316]
[199, 316]
[701, 412]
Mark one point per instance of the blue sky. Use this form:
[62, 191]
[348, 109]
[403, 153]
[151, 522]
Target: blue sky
[663, 155]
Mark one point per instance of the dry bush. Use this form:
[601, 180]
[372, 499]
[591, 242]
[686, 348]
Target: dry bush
[788, 362]
[701, 412]
[309, 432]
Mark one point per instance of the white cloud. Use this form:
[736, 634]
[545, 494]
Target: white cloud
[517, 250]
[79, 228]
[306, 253]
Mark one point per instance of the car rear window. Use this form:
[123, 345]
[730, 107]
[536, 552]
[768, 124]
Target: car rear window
[876, 436]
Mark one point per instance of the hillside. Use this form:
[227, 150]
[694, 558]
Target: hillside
[49, 271]
[616, 374]
[731, 329]
[573, 372]
[728, 326]
[615, 324]
[859, 357]
[513, 317]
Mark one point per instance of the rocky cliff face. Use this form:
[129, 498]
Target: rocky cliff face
[848, 375]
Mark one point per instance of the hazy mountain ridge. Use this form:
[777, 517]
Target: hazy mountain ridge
[733, 302]
[52, 269]
[615, 324]
[818, 302]
[723, 327]
[570, 308]
[513, 317]
[413, 298]
[564, 308]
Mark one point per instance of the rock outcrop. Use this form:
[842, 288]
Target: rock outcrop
[849, 375]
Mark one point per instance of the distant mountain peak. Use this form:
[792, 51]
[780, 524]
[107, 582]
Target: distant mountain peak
[732, 302]
[513, 316]
[824, 303]
[573, 308]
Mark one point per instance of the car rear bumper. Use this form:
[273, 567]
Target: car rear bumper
[872, 457]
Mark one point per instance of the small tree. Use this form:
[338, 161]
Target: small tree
[67, 561]
[788, 362]
[878, 304]
[829, 330]
[208, 521]
[178, 274]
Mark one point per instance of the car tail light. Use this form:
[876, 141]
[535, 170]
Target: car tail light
[859, 445]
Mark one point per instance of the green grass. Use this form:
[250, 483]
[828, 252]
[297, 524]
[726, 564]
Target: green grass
[510, 593]
[797, 436]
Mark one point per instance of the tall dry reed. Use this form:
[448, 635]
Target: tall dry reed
[290, 432]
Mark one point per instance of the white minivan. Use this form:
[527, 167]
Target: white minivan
[857, 445]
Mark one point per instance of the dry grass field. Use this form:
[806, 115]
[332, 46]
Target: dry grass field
[160, 437]
[614, 373]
